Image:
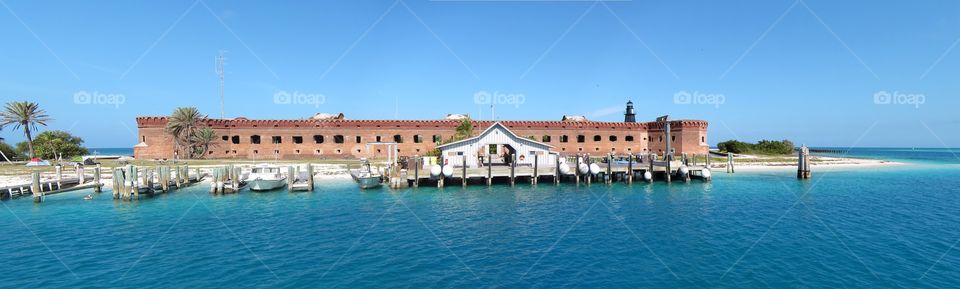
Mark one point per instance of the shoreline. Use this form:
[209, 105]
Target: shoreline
[339, 171]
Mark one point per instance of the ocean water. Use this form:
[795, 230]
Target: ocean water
[876, 228]
[111, 151]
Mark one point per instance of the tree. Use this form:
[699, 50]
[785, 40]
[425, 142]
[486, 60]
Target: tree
[201, 141]
[464, 130]
[55, 143]
[182, 125]
[24, 115]
[8, 151]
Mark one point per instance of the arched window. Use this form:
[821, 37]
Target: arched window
[613, 138]
[277, 139]
[545, 138]
[398, 138]
[298, 139]
[338, 139]
[318, 139]
[581, 138]
[628, 138]
[417, 138]
[255, 139]
[597, 138]
[235, 139]
[563, 138]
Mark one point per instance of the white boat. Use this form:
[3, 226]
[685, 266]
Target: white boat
[265, 178]
[366, 177]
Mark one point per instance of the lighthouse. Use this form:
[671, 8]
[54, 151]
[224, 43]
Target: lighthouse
[630, 115]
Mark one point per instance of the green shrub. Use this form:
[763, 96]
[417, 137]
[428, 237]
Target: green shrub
[763, 147]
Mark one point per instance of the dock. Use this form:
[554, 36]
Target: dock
[588, 170]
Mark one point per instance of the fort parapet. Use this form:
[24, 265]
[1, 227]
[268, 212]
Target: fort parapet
[242, 138]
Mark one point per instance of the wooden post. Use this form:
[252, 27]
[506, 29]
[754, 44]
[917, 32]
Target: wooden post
[513, 167]
[441, 176]
[489, 170]
[556, 177]
[589, 173]
[463, 171]
[653, 157]
[97, 186]
[35, 187]
[730, 169]
[630, 169]
[416, 171]
[576, 170]
[291, 176]
[803, 163]
[536, 166]
[609, 176]
[310, 176]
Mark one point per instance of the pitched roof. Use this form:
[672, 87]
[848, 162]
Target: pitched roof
[491, 127]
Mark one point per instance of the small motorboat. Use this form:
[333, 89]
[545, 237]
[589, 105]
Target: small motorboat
[265, 178]
[366, 177]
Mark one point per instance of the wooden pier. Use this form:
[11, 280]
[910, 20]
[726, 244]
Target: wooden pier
[586, 170]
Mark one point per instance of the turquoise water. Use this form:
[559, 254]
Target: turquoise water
[883, 227]
[111, 151]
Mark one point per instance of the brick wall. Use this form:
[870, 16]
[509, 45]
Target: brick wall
[301, 139]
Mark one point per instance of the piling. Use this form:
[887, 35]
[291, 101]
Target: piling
[556, 177]
[489, 170]
[589, 173]
[291, 175]
[630, 169]
[98, 187]
[609, 176]
[803, 163]
[513, 167]
[36, 188]
[442, 177]
[310, 176]
[416, 171]
[463, 171]
[536, 166]
[576, 169]
[730, 169]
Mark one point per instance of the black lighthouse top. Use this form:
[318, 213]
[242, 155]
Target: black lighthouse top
[630, 115]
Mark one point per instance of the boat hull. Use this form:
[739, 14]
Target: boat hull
[266, 185]
[369, 182]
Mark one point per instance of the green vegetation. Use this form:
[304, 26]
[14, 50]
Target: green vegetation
[464, 131]
[764, 147]
[26, 116]
[8, 151]
[188, 137]
[54, 144]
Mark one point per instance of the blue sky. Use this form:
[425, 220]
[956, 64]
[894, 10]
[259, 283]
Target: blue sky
[824, 73]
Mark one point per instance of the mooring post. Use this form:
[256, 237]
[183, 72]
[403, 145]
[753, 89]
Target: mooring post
[489, 170]
[416, 171]
[652, 158]
[589, 173]
[35, 187]
[96, 179]
[609, 176]
[803, 163]
[630, 169]
[463, 171]
[576, 169]
[730, 163]
[513, 167]
[310, 176]
[536, 166]
[556, 177]
[669, 158]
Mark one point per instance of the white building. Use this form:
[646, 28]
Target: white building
[501, 144]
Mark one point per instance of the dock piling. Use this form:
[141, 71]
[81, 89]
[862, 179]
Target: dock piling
[803, 163]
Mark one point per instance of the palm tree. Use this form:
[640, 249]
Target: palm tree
[26, 115]
[182, 124]
[202, 141]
